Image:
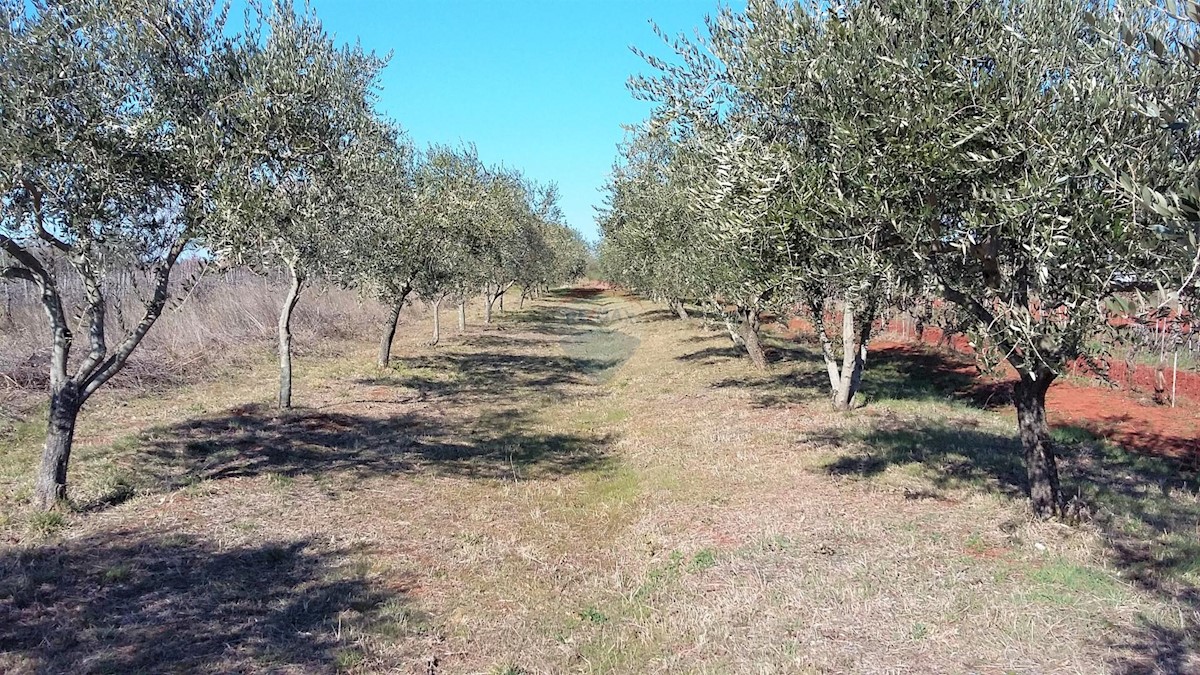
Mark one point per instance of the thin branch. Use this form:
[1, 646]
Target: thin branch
[39, 225]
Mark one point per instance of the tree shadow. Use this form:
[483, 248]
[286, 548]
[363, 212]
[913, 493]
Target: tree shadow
[576, 293]
[548, 320]
[655, 316]
[473, 377]
[709, 355]
[1186, 450]
[494, 341]
[255, 440]
[914, 373]
[953, 454]
[898, 373]
[136, 601]
[1146, 509]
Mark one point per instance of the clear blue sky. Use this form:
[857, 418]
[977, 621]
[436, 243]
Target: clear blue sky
[537, 85]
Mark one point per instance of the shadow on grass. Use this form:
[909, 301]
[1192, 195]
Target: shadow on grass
[490, 432]
[467, 377]
[713, 354]
[132, 601]
[1146, 508]
[256, 440]
[892, 373]
[950, 455]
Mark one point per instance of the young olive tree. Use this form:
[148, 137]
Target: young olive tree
[549, 252]
[305, 114]
[384, 242]
[793, 163]
[113, 139]
[506, 217]
[1012, 153]
[450, 200]
[1007, 113]
[1000, 127]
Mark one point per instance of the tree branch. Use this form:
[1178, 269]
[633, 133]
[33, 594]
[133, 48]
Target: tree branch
[19, 273]
[116, 360]
[95, 315]
[39, 226]
[984, 316]
[33, 270]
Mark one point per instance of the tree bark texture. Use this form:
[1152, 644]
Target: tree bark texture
[285, 336]
[749, 336]
[389, 333]
[50, 485]
[1041, 465]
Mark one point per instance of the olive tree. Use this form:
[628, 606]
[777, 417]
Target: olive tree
[647, 220]
[1006, 114]
[113, 140]
[999, 129]
[994, 148]
[450, 194]
[304, 113]
[549, 251]
[506, 222]
[383, 242]
[794, 164]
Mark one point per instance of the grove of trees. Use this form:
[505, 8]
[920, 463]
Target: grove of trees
[1031, 163]
[134, 133]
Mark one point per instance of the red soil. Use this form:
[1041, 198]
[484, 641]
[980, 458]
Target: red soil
[1124, 414]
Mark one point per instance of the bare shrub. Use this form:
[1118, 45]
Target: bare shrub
[218, 318]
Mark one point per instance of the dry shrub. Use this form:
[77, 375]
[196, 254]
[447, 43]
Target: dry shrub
[218, 319]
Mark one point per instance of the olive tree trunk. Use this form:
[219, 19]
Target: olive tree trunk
[748, 332]
[389, 329]
[680, 310]
[1041, 465]
[844, 381]
[488, 299]
[462, 316]
[501, 291]
[50, 485]
[436, 308]
[730, 327]
[1029, 397]
[69, 392]
[285, 334]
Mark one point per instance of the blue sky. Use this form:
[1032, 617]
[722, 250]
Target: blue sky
[537, 85]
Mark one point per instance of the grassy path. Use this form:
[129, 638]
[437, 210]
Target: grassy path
[586, 486]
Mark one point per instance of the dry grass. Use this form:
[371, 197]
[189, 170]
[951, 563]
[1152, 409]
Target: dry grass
[587, 486]
[217, 322]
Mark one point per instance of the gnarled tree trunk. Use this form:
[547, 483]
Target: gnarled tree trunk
[680, 311]
[50, 486]
[1041, 465]
[488, 298]
[748, 332]
[285, 335]
[68, 393]
[844, 381]
[389, 331]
